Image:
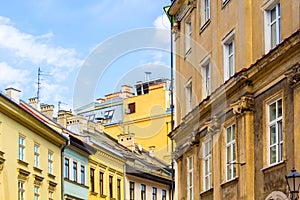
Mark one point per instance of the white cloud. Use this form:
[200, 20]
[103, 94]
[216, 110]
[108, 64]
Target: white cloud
[36, 49]
[10, 76]
[162, 22]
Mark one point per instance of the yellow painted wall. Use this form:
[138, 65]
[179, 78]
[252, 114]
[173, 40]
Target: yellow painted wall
[149, 123]
[110, 165]
[9, 134]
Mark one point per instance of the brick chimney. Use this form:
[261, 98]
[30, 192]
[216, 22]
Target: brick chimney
[34, 102]
[62, 117]
[127, 140]
[13, 94]
[47, 110]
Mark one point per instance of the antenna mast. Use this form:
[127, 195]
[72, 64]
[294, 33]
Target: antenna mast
[38, 84]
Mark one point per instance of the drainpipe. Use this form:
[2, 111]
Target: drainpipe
[62, 164]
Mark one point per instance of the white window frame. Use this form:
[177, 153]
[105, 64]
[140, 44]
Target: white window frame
[205, 15]
[21, 148]
[21, 190]
[188, 36]
[50, 162]
[189, 96]
[207, 165]
[82, 179]
[75, 172]
[36, 155]
[278, 122]
[227, 41]
[269, 6]
[190, 174]
[230, 144]
[206, 78]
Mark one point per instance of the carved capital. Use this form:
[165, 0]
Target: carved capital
[293, 74]
[246, 103]
[214, 125]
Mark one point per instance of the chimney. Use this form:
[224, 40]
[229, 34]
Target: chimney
[34, 102]
[47, 110]
[151, 151]
[147, 76]
[127, 140]
[62, 116]
[13, 94]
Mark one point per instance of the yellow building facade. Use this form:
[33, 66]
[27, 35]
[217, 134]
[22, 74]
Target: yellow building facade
[237, 89]
[147, 116]
[30, 154]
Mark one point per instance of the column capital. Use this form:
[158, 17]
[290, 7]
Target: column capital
[245, 103]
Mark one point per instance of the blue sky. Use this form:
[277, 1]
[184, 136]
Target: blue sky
[59, 36]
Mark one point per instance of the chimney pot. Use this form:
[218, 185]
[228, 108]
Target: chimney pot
[13, 94]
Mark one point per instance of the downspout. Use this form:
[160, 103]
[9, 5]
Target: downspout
[62, 164]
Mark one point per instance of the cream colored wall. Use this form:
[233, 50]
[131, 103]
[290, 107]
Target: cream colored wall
[10, 131]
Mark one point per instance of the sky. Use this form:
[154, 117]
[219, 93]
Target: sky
[61, 37]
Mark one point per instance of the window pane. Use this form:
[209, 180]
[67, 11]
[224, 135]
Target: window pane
[279, 103]
[273, 14]
[272, 135]
[273, 35]
[273, 154]
[228, 172]
[229, 154]
[228, 134]
[233, 152]
[272, 112]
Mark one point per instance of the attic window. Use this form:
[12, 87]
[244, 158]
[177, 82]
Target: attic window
[108, 114]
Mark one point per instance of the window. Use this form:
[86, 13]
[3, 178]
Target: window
[205, 11]
[206, 79]
[66, 172]
[21, 148]
[164, 195]
[36, 193]
[229, 63]
[131, 108]
[110, 186]
[92, 179]
[21, 190]
[190, 178]
[75, 171]
[50, 162]
[230, 153]
[272, 25]
[207, 165]
[82, 174]
[108, 114]
[154, 193]
[101, 174]
[36, 155]
[119, 189]
[131, 190]
[50, 195]
[188, 93]
[188, 36]
[143, 192]
[275, 132]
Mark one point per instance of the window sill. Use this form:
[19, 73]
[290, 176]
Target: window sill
[207, 192]
[51, 176]
[230, 182]
[273, 167]
[93, 193]
[203, 27]
[37, 170]
[23, 163]
[103, 195]
[225, 3]
[188, 52]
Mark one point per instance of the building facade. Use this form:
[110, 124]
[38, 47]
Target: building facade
[237, 90]
[30, 153]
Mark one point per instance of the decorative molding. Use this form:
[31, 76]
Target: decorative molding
[2, 160]
[23, 174]
[293, 75]
[246, 103]
[214, 124]
[38, 179]
[52, 185]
